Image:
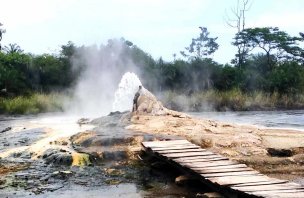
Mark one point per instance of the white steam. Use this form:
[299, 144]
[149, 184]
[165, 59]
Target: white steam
[101, 69]
[124, 95]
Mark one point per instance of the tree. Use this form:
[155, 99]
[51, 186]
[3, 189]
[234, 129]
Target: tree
[12, 48]
[68, 50]
[202, 46]
[276, 44]
[49, 72]
[287, 78]
[238, 22]
[2, 31]
[14, 72]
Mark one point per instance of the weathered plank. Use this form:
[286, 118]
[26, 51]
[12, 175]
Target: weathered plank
[226, 167]
[188, 154]
[202, 160]
[165, 143]
[175, 148]
[171, 145]
[222, 171]
[208, 164]
[200, 157]
[238, 173]
[181, 151]
[197, 159]
[279, 194]
[285, 186]
[270, 182]
[233, 180]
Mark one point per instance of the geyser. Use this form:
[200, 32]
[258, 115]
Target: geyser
[128, 86]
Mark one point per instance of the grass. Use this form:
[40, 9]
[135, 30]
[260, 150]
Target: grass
[36, 103]
[233, 100]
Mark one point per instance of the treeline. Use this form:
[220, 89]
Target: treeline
[267, 60]
[22, 73]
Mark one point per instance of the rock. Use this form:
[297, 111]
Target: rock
[6, 129]
[61, 174]
[147, 104]
[273, 152]
[113, 119]
[206, 143]
[181, 180]
[210, 195]
[54, 156]
[82, 121]
[298, 150]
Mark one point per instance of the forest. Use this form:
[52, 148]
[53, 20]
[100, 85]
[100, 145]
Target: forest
[266, 73]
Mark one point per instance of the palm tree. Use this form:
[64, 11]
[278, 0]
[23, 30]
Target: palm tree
[12, 48]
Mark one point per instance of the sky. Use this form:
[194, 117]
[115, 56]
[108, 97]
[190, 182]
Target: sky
[159, 27]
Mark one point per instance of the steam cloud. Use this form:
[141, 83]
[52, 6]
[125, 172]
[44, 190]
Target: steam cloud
[103, 68]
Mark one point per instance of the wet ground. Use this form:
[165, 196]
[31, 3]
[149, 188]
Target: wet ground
[113, 171]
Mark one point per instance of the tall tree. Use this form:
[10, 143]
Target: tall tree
[2, 31]
[12, 48]
[276, 44]
[201, 47]
[238, 21]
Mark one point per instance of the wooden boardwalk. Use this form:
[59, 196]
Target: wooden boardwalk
[217, 170]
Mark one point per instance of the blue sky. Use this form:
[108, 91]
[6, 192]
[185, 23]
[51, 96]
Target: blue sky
[159, 27]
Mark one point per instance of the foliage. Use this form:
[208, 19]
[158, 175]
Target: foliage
[36, 103]
[272, 77]
[202, 46]
[12, 48]
[238, 22]
[2, 31]
[276, 44]
[231, 100]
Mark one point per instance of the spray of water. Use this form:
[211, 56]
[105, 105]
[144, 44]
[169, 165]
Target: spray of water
[126, 90]
[103, 67]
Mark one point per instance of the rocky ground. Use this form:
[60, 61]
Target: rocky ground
[275, 152]
[38, 160]
[92, 157]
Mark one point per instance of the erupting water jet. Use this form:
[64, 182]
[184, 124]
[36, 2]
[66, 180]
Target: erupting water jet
[125, 93]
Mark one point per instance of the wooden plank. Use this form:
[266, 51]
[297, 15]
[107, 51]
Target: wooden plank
[182, 151]
[286, 186]
[202, 160]
[197, 159]
[271, 181]
[279, 193]
[221, 170]
[194, 162]
[226, 167]
[233, 180]
[200, 157]
[238, 173]
[168, 146]
[287, 195]
[171, 145]
[188, 154]
[175, 148]
[165, 143]
[208, 164]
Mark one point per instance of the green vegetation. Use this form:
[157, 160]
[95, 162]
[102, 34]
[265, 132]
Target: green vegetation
[35, 103]
[267, 73]
[232, 100]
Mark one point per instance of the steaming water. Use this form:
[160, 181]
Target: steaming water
[293, 119]
[124, 95]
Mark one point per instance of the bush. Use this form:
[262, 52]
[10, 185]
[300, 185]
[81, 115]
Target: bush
[36, 103]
